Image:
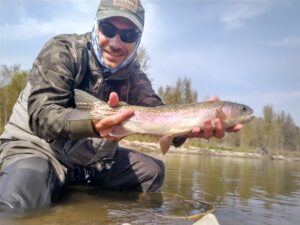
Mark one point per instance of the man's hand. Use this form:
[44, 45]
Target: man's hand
[104, 126]
[208, 132]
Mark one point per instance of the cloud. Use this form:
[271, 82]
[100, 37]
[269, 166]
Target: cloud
[237, 13]
[29, 28]
[74, 16]
[289, 42]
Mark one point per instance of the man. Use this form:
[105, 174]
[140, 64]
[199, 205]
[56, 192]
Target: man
[41, 151]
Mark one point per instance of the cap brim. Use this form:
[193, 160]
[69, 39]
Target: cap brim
[113, 13]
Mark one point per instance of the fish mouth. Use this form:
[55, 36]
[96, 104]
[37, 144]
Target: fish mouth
[248, 118]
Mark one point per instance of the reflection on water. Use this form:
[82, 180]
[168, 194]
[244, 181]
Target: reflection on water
[243, 191]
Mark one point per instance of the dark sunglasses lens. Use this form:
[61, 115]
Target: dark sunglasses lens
[107, 29]
[129, 36]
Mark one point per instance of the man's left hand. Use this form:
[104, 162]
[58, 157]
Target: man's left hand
[208, 131]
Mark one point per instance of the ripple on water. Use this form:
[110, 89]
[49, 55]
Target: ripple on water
[116, 208]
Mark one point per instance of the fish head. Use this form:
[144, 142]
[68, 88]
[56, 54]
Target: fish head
[235, 113]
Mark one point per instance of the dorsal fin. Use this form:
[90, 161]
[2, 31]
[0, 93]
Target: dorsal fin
[82, 96]
[85, 100]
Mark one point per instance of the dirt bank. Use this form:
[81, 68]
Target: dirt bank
[154, 147]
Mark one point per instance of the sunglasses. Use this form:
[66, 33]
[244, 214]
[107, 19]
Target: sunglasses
[126, 35]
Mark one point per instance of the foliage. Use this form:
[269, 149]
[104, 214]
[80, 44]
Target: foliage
[179, 94]
[7, 72]
[143, 59]
[12, 82]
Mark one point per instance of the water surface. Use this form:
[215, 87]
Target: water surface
[243, 191]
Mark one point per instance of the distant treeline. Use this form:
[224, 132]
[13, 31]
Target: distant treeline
[274, 133]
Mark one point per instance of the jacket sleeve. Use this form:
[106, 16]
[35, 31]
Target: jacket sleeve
[51, 96]
[143, 94]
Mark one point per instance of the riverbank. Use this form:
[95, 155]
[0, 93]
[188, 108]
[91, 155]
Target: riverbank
[186, 149]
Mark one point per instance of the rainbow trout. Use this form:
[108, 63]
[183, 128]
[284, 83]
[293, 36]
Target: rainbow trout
[166, 122]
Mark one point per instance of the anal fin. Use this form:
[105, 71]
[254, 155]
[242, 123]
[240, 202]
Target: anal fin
[165, 143]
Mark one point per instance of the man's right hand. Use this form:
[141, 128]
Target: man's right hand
[104, 126]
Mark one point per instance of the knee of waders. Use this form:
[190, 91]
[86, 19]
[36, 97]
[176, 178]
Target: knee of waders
[154, 176]
[28, 183]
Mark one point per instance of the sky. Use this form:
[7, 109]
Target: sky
[245, 51]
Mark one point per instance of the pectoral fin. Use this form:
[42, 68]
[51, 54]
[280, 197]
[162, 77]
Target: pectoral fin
[120, 131]
[221, 115]
[165, 143]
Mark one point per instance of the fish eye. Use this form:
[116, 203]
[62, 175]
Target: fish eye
[243, 108]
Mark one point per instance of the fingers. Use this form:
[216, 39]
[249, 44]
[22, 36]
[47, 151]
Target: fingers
[209, 131]
[104, 126]
[235, 128]
[109, 122]
[113, 100]
[219, 129]
[195, 132]
[216, 131]
[214, 98]
[114, 120]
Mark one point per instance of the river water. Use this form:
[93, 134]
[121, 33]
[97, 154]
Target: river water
[243, 191]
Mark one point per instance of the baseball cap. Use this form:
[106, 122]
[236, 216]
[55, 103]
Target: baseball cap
[130, 9]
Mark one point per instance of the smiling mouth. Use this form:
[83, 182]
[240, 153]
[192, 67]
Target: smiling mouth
[114, 54]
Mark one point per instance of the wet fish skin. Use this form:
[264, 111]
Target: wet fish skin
[166, 122]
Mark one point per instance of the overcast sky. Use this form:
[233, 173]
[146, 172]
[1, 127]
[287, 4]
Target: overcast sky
[241, 50]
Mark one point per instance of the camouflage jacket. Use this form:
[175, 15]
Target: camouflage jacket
[65, 63]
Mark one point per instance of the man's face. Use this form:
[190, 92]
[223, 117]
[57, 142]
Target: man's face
[114, 50]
